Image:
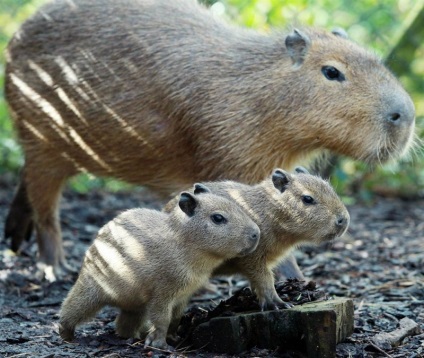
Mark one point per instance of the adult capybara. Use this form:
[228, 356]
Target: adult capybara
[162, 93]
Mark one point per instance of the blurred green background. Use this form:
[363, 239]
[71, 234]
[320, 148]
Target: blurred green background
[391, 28]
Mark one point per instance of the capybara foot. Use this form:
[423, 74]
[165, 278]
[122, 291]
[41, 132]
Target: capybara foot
[18, 227]
[156, 341]
[275, 303]
[52, 273]
[67, 334]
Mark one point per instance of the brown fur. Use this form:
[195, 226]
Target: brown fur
[285, 222]
[149, 263]
[162, 93]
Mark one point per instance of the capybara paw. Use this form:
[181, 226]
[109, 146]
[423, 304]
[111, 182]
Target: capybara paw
[159, 343]
[66, 333]
[285, 305]
[46, 272]
[274, 304]
[52, 273]
[269, 306]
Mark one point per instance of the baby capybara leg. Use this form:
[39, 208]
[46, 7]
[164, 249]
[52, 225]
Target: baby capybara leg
[81, 304]
[132, 324]
[160, 315]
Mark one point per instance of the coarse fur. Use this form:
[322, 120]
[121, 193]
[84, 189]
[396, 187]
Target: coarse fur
[278, 206]
[148, 264]
[163, 93]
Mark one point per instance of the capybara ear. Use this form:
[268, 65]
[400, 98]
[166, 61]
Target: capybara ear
[297, 44]
[200, 188]
[187, 203]
[301, 170]
[338, 31]
[280, 179]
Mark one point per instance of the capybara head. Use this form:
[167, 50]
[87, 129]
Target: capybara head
[216, 225]
[310, 209]
[350, 102]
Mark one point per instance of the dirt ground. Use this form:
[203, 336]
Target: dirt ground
[379, 264]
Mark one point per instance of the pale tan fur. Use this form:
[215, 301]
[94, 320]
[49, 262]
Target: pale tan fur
[285, 222]
[163, 94]
[148, 263]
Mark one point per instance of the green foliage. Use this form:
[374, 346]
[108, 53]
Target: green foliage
[85, 182]
[378, 25]
[12, 14]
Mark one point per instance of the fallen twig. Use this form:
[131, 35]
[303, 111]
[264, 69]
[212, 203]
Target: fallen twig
[407, 327]
[377, 348]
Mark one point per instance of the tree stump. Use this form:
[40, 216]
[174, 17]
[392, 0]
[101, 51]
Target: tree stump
[313, 328]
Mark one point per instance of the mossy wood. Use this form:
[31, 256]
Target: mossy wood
[314, 328]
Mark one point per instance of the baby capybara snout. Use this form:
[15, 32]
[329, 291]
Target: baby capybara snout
[338, 226]
[342, 223]
[252, 236]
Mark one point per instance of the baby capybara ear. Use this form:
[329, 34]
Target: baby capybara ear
[280, 179]
[187, 203]
[201, 188]
[301, 170]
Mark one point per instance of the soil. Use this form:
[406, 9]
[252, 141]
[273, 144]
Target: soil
[379, 264]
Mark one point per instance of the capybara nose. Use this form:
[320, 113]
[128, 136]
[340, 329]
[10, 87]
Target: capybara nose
[342, 223]
[254, 236]
[401, 112]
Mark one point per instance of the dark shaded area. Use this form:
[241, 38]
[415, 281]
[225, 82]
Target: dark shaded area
[380, 264]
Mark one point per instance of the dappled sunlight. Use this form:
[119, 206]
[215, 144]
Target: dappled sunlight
[69, 74]
[111, 264]
[47, 108]
[99, 272]
[39, 101]
[34, 131]
[133, 247]
[77, 165]
[127, 128]
[87, 149]
[48, 80]
[237, 196]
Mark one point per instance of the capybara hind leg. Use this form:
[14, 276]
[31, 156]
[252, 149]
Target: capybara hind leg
[19, 221]
[132, 324]
[81, 304]
[44, 191]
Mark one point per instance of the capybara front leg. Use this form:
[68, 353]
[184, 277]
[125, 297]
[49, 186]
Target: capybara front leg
[160, 314]
[262, 282]
[19, 221]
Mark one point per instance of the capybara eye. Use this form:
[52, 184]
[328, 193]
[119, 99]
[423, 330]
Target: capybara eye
[218, 219]
[307, 199]
[332, 73]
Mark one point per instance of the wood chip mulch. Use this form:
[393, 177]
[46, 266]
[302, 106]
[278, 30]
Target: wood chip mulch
[379, 264]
